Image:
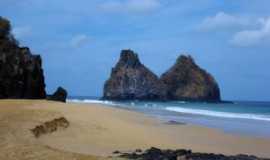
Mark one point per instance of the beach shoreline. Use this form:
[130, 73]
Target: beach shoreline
[97, 129]
[241, 118]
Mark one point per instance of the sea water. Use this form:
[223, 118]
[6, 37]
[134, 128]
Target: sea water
[240, 117]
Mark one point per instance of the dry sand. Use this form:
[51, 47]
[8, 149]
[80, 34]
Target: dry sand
[99, 130]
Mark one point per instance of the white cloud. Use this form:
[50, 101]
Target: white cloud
[247, 31]
[130, 6]
[79, 40]
[22, 32]
[223, 20]
[253, 37]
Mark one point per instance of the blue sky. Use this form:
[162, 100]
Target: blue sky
[81, 40]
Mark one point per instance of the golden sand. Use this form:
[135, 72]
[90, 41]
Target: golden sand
[99, 130]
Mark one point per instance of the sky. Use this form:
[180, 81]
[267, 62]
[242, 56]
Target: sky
[80, 41]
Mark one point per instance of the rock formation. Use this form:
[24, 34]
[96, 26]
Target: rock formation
[21, 74]
[184, 81]
[130, 79]
[59, 95]
[187, 81]
[181, 154]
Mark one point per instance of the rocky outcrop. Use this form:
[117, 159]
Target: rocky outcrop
[187, 81]
[182, 154]
[184, 81]
[59, 95]
[21, 73]
[130, 79]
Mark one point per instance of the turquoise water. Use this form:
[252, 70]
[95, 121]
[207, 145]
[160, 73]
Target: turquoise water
[245, 118]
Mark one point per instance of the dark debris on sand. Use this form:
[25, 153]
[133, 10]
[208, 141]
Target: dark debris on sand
[50, 126]
[182, 154]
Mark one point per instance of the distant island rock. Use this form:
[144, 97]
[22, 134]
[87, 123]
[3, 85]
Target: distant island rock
[185, 80]
[21, 73]
[131, 80]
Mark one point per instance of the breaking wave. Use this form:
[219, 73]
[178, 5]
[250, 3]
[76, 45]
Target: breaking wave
[219, 114]
[91, 101]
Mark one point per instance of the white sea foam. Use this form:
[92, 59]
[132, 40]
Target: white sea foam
[182, 102]
[90, 101]
[182, 110]
[219, 114]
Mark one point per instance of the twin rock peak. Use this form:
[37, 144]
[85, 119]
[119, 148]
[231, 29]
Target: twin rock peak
[185, 80]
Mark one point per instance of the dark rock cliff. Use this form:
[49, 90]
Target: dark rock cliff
[130, 79]
[21, 73]
[185, 80]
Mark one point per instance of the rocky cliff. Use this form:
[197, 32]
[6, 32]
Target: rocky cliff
[185, 80]
[130, 79]
[21, 74]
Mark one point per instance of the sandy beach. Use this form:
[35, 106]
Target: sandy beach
[96, 130]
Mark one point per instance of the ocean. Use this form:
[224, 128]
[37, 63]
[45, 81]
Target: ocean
[239, 117]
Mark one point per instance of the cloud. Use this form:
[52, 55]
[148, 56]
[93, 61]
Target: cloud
[130, 6]
[253, 37]
[248, 31]
[22, 32]
[223, 20]
[79, 40]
